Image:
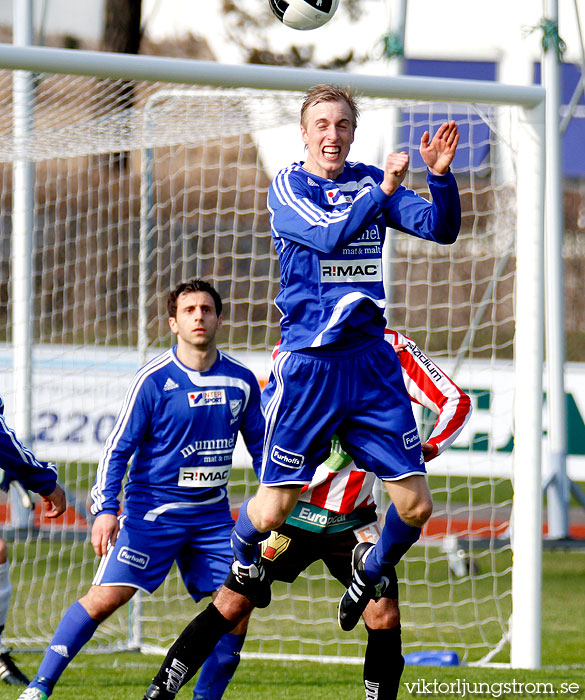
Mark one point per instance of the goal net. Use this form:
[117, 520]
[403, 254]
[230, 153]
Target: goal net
[139, 185]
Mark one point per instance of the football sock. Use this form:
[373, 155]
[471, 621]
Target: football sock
[396, 539]
[219, 668]
[245, 538]
[193, 646]
[5, 592]
[383, 664]
[75, 629]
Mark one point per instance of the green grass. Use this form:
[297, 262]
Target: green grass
[125, 676]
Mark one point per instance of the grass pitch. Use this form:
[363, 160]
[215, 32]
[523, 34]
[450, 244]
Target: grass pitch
[125, 676]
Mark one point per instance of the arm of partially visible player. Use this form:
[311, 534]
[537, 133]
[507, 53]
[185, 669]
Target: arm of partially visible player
[252, 426]
[429, 386]
[21, 465]
[128, 432]
[55, 502]
[295, 216]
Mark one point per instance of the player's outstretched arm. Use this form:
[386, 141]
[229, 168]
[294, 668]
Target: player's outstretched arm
[429, 450]
[105, 529]
[428, 385]
[55, 502]
[439, 152]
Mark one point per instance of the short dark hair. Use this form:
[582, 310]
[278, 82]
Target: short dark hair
[195, 285]
[330, 93]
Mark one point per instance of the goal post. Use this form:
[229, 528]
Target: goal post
[529, 360]
[111, 237]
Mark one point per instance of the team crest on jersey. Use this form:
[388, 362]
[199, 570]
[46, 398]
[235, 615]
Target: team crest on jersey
[235, 407]
[212, 397]
[335, 196]
[275, 545]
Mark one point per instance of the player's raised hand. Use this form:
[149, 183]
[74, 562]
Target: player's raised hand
[395, 170]
[439, 152]
[105, 529]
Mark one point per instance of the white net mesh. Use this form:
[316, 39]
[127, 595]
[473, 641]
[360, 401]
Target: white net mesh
[139, 186]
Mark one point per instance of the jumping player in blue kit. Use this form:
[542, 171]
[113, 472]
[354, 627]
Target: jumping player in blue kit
[334, 372]
[179, 424]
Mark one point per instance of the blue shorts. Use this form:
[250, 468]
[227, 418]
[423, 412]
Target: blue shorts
[145, 551]
[357, 394]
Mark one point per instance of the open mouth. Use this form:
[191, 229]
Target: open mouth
[331, 151]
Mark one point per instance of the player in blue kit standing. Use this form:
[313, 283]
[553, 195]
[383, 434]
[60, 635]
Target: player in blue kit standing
[179, 422]
[334, 372]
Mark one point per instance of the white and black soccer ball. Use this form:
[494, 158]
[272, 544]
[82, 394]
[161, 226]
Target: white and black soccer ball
[304, 14]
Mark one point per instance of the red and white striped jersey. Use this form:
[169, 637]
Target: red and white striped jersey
[338, 485]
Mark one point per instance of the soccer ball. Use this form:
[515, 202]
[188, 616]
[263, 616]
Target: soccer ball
[304, 14]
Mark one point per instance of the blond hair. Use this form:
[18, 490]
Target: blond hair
[330, 93]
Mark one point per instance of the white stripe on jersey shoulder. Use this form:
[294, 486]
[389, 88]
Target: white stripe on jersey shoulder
[304, 207]
[342, 304]
[279, 242]
[287, 197]
[284, 194]
[140, 377]
[152, 365]
[225, 355]
[353, 185]
[25, 454]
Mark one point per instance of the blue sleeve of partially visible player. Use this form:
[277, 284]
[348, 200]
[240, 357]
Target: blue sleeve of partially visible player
[252, 426]
[127, 434]
[21, 465]
[296, 217]
[439, 220]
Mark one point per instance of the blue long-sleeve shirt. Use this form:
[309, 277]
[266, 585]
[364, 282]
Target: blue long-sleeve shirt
[20, 464]
[179, 426]
[329, 235]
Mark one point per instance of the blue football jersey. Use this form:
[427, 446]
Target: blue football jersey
[180, 427]
[20, 464]
[329, 234]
